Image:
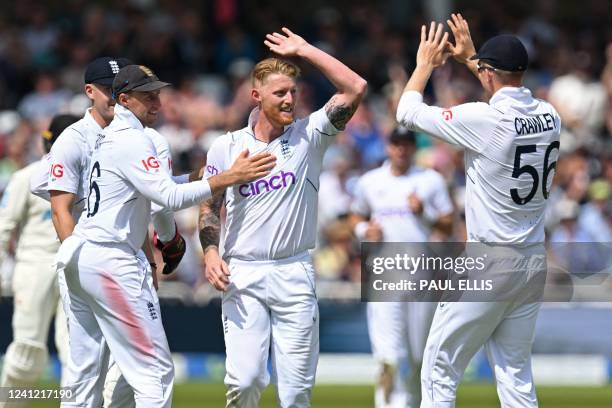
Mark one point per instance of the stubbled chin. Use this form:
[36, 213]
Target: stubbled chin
[285, 119]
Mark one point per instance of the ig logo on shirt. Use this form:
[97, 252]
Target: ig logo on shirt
[57, 171]
[150, 163]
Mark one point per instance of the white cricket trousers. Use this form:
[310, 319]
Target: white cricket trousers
[111, 304]
[271, 305]
[505, 328]
[398, 331]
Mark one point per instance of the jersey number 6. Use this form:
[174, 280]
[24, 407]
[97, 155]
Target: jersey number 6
[518, 170]
[93, 188]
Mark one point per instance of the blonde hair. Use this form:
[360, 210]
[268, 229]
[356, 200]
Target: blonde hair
[273, 66]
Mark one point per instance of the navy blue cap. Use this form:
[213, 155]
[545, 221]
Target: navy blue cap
[505, 52]
[103, 70]
[136, 78]
[401, 134]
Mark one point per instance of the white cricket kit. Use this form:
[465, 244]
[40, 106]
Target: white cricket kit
[67, 170]
[398, 330]
[111, 300]
[384, 197]
[69, 161]
[281, 206]
[511, 147]
[36, 294]
[271, 224]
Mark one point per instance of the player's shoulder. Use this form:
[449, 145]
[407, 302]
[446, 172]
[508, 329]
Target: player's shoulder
[153, 134]
[428, 175]
[75, 133]
[237, 137]
[473, 109]
[375, 175]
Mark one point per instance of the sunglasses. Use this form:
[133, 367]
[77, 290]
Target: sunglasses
[481, 68]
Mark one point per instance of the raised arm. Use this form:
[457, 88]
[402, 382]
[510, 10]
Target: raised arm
[350, 86]
[432, 52]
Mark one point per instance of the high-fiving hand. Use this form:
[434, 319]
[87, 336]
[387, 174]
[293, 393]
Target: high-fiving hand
[464, 46]
[433, 49]
[287, 45]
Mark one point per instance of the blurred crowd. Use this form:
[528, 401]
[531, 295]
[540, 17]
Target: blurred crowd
[207, 49]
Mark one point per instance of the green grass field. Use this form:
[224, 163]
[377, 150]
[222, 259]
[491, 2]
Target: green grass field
[198, 395]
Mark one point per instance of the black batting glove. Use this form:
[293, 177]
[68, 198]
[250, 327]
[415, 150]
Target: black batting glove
[172, 251]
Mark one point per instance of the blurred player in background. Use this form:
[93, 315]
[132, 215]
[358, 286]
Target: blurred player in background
[400, 202]
[269, 300]
[511, 148]
[35, 289]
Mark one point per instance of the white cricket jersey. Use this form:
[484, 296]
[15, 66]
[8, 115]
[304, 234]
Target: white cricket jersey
[68, 162]
[19, 209]
[384, 197]
[274, 217]
[69, 158]
[124, 176]
[511, 147]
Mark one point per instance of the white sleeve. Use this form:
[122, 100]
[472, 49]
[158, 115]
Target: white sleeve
[66, 163]
[360, 204]
[13, 209]
[162, 217]
[40, 179]
[140, 166]
[464, 125]
[319, 130]
[438, 202]
[161, 147]
[182, 179]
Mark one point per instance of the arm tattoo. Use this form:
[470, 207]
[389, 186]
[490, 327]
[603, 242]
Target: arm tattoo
[210, 222]
[339, 113]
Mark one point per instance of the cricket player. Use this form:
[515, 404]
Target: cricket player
[36, 294]
[266, 273]
[511, 147]
[66, 180]
[110, 299]
[400, 202]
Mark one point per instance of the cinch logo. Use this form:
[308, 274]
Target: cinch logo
[150, 163]
[57, 170]
[212, 170]
[263, 186]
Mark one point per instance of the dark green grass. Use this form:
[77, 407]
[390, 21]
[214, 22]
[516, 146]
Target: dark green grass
[199, 395]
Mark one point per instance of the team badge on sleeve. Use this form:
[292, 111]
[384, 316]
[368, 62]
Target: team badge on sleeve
[150, 163]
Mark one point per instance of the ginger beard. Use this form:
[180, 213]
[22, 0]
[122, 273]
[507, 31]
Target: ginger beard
[276, 97]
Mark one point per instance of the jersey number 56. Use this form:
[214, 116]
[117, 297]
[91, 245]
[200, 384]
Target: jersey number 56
[518, 170]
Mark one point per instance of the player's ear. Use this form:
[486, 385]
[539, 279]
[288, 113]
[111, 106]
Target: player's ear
[89, 89]
[256, 95]
[123, 99]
